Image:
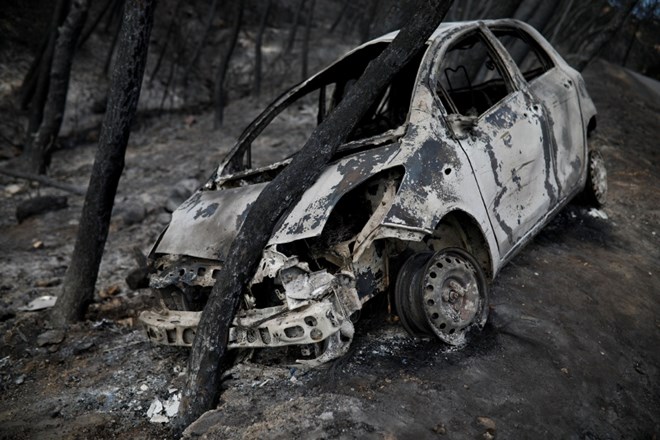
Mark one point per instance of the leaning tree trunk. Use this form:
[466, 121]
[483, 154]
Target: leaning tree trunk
[38, 148]
[80, 278]
[219, 92]
[305, 47]
[258, 49]
[209, 354]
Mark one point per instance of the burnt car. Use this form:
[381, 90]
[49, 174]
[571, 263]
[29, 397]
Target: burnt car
[475, 145]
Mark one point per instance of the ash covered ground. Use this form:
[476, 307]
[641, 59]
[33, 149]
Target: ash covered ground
[570, 349]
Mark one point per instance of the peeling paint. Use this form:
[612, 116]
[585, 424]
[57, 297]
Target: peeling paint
[503, 170]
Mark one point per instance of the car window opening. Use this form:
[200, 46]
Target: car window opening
[531, 59]
[470, 79]
[298, 116]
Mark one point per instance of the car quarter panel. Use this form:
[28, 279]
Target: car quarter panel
[438, 179]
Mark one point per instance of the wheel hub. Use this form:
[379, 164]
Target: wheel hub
[445, 297]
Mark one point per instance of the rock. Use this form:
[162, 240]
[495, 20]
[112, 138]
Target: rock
[159, 418]
[50, 337]
[130, 212]
[138, 278]
[180, 192]
[156, 407]
[171, 405]
[327, 416]
[109, 291]
[6, 314]
[164, 218]
[440, 429]
[13, 189]
[204, 423]
[486, 422]
[83, 346]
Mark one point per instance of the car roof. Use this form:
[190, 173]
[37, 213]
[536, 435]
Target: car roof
[447, 27]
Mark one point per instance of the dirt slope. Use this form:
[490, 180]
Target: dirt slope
[570, 351]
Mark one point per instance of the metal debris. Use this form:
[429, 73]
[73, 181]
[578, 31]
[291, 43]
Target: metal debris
[41, 303]
[470, 151]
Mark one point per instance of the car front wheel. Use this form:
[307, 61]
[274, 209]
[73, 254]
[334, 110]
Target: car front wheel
[443, 294]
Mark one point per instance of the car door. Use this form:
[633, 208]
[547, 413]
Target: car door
[500, 126]
[554, 89]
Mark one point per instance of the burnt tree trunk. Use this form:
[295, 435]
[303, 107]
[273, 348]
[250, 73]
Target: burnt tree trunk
[170, 30]
[591, 49]
[219, 92]
[293, 30]
[113, 45]
[80, 277]
[209, 355]
[93, 25]
[35, 89]
[305, 47]
[257, 49]
[367, 20]
[341, 14]
[559, 25]
[36, 155]
[202, 41]
[40, 67]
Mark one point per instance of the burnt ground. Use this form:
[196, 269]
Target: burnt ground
[570, 349]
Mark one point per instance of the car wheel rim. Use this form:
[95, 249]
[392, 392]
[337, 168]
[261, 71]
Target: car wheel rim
[453, 292]
[598, 176]
[446, 296]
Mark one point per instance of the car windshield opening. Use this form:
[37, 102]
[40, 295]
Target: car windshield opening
[284, 127]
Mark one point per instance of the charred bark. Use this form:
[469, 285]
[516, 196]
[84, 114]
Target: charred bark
[80, 277]
[341, 14]
[219, 91]
[35, 89]
[305, 48]
[43, 180]
[367, 20]
[593, 46]
[36, 155]
[39, 205]
[257, 49]
[294, 28]
[94, 24]
[205, 34]
[209, 353]
[111, 51]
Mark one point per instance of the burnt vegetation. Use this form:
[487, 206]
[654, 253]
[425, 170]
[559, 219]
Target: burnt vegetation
[83, 73]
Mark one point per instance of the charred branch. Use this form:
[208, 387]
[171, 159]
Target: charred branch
[43, 180]
[209, 354]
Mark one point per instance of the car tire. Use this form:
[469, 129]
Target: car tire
[595, 189]
[442, 294]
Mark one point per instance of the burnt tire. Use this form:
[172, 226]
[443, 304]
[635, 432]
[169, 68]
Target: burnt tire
[442, 294]
[595, 189]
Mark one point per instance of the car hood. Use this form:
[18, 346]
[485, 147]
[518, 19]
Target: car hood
[205, 224]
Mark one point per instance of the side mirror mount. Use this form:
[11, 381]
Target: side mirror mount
[462, 125]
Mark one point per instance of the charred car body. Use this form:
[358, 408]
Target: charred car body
[472, 148]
